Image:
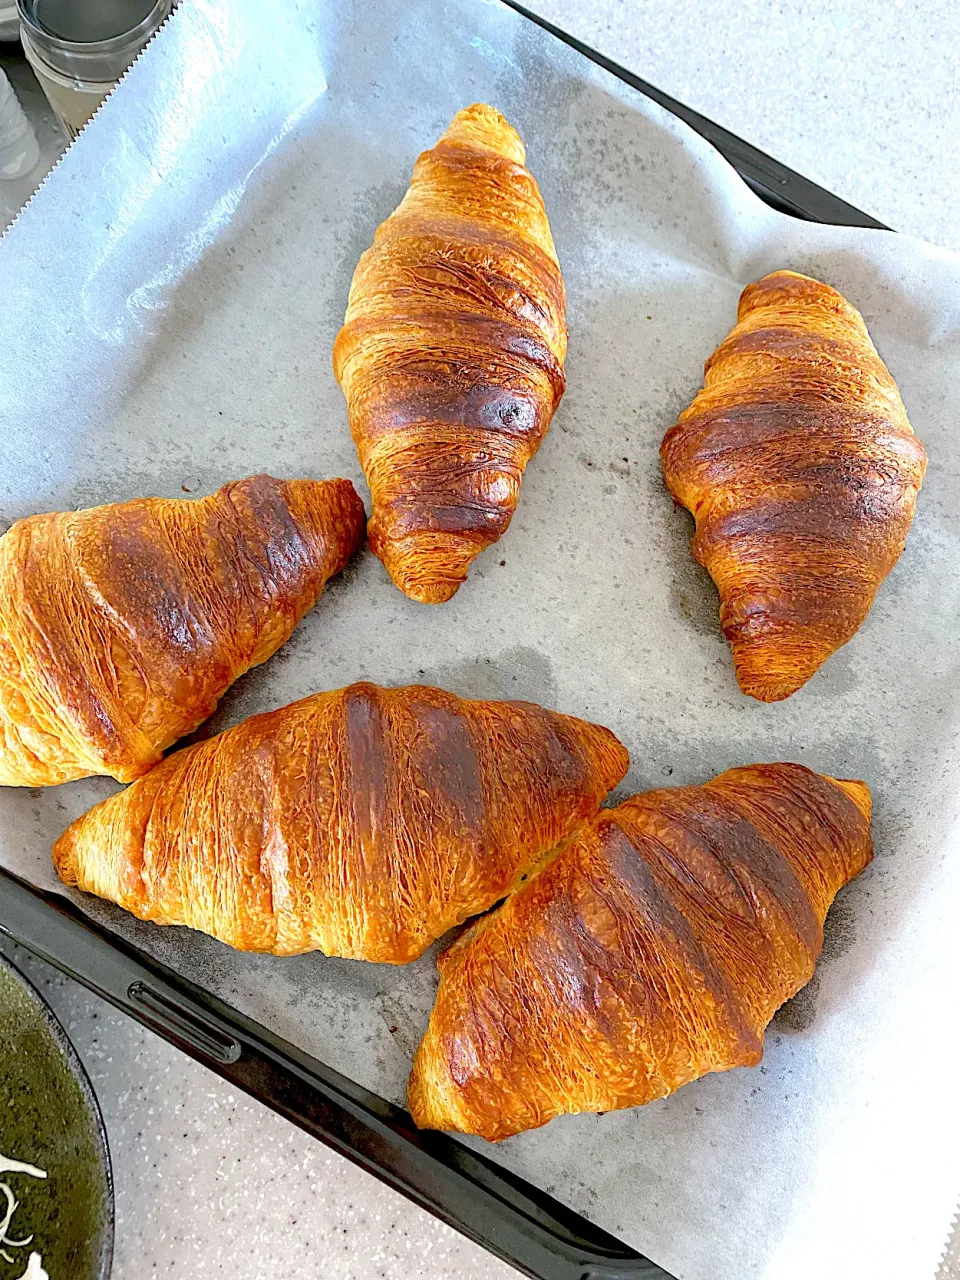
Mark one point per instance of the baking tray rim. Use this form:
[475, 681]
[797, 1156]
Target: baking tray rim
[507, 1215]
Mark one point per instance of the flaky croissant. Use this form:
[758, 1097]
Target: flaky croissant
[802, 471]
[122, 626]
[451, 354]
[364, 822]
[654, 948]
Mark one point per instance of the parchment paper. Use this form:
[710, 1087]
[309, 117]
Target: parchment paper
[168, 304]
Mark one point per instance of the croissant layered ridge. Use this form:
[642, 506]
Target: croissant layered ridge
[802, 471]
[451, 354]
[121, 626]
[364, 822]
[653, 948]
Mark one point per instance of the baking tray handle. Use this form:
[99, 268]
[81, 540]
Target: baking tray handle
[509, 1217]
[783, 189]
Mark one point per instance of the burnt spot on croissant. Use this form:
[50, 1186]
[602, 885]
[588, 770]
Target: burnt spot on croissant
[643, 914]
[369, 763]
[269, 534]
[447, 753]
[786, 345]
[801, 469]
[845, 514]
[724, 861]
[800, 425]
[146, 583]
[434, 399]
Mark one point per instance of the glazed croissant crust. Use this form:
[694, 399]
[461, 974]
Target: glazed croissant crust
[654, 948]
[364, 822]
[451, 354]
[122, 626]
[802, 471]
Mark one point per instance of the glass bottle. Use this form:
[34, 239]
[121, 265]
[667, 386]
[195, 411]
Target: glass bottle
[80, 50]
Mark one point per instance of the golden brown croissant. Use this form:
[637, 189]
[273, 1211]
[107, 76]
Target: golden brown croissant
[451, 354]
[802, 471]
[122, 626]
[654, 948]
[364, 822]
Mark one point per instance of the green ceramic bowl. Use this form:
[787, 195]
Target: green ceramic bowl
[50, 1122]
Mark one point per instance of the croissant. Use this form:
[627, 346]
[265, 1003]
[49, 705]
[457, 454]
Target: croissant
[802, 471]
[654, 948]
[122, 626]
[363, 823]
[451, 354]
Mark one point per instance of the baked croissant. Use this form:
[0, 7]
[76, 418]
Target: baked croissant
[122, 626]
[802, 471]
[451, 354]
[654, 948]
[364, 822]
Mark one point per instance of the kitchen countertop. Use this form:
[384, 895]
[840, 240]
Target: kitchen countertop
[864, 99]
[211, 1183]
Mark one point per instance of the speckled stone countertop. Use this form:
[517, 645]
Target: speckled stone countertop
[864, 99]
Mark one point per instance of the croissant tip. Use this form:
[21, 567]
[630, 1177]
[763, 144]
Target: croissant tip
[426, 590]
[790, 287]
[858, 792]
[64, 857]
[769, 688]
[428, 1102]
[483, 125]
[482, 111]
[428, 567]
[770, 671]
[786, 273]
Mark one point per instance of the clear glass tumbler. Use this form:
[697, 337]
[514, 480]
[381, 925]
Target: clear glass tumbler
[79, 50]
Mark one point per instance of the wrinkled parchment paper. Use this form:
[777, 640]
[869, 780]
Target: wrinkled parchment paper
[168, 304]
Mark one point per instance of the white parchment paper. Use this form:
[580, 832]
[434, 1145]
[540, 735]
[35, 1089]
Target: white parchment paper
[168, 305]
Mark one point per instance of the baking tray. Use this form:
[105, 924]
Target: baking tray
[511, 1218]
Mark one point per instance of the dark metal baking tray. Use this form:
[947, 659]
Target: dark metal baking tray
[507, 1215]
[782, 188]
